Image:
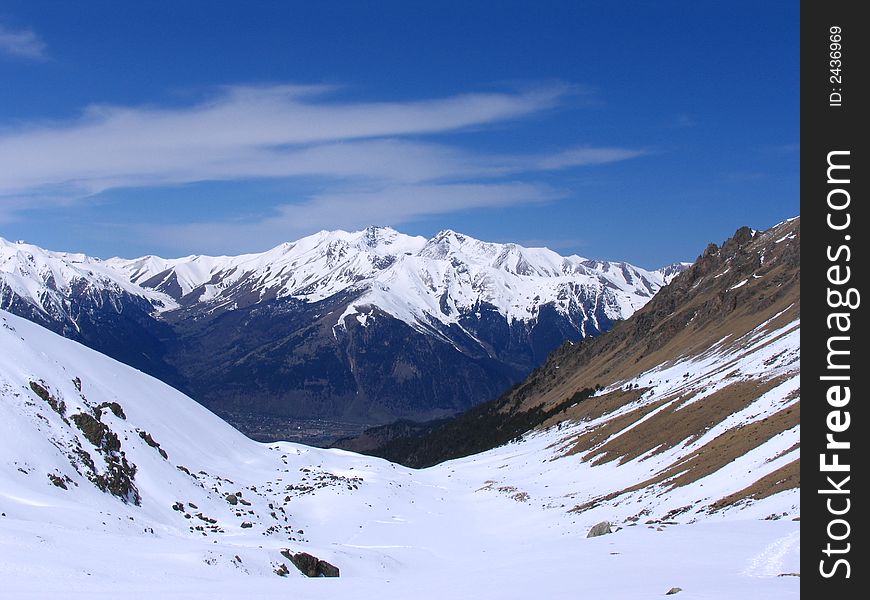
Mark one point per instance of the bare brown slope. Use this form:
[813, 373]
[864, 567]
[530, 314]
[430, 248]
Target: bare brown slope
[701, 307]
[750, 284]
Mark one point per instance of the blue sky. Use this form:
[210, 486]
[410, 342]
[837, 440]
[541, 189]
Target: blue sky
[635, 131]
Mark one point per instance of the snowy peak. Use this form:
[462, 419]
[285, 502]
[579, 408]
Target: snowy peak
[376, 236]
[311, 268]
[416, 280]
[669, 272]
[381, 312]
[45, 280]
[510, 258]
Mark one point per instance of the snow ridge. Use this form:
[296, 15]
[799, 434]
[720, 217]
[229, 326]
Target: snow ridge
[416, 280]
[46, 279]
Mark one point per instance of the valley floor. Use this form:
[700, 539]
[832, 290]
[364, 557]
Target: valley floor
[445, 532]
[217, 509]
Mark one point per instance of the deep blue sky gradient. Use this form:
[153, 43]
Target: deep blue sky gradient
[708, 91]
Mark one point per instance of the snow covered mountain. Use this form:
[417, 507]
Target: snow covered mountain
[87, 300]
[47, 279]
[421, 282]
[112, 483]
[357, 327]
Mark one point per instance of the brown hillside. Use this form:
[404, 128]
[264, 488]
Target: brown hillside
[696, 311]
[690, 405]
[726, 301]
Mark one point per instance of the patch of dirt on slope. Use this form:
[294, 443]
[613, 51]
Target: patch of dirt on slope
[719, 452]
[731, 445]
[677, 423]
[592, 438]
[597, 406]
[785, 478]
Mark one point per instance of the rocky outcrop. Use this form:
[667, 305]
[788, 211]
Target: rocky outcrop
[311, 566]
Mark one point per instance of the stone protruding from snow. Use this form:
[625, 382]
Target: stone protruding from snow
[599, 529]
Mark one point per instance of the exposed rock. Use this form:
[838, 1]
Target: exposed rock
[56, 405]
[674, 590]
[311, 566]
[57, 480]
[246, 525]
[97, 432]
[119, 475]
[118, 480]
[154, 444]
[112, 406]
[232, 499]
[602, 528]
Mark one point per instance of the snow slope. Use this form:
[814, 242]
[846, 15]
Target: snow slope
[496, 525]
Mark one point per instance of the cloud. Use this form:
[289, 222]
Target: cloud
[270, 131]
[684, 120]
[369, 159]
[22, 43]
[346, 210]
[245, 131]
[583, 156]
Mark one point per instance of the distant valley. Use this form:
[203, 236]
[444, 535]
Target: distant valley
[320, 338]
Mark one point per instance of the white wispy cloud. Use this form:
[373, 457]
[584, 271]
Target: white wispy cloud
[370, 158]
[583, 156]
[21, 43]
[245, 131]
[274, 131]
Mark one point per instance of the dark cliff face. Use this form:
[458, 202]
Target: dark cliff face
[752, 279]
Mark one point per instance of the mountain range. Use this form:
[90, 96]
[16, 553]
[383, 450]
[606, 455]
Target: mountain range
[346, 328]
[675, 435]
